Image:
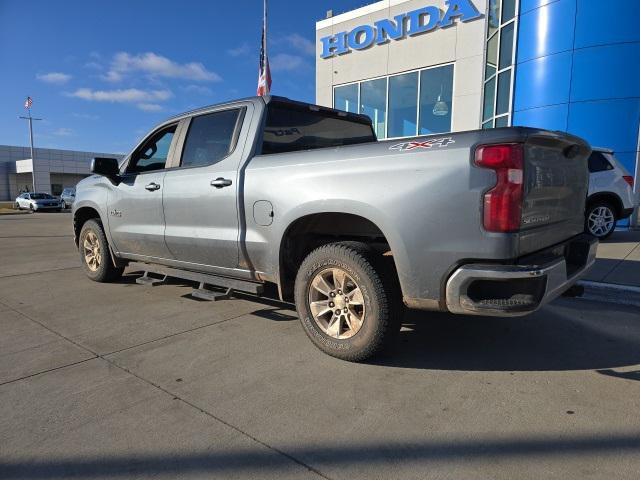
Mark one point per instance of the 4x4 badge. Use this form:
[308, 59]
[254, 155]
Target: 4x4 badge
[406, 146]
[115, 213]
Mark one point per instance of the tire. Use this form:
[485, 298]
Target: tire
[381, 307]
[101, 269]
[63, 205]
[600, 220]
[31, 208]
[17, 206]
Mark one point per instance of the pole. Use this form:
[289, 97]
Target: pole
[33, 157]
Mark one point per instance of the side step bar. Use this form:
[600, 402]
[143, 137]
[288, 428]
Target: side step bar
[204, 280]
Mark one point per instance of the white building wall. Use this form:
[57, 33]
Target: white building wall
[52, 166]
[462, 43]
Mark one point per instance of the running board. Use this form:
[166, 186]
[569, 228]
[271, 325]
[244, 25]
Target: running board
[204, 279]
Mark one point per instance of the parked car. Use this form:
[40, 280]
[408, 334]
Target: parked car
[37, 201]
[611, 196]
[67, 197]
[268, 190]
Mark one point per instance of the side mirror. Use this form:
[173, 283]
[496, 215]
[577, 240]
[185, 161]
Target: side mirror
[107, 167]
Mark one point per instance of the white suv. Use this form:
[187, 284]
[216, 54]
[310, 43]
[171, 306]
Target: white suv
[611, 196]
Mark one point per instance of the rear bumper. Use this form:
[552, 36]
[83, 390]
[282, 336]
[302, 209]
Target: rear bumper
[625, 212]
[515, 290]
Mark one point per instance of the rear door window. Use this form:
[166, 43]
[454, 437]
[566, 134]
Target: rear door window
[598, 163]
[290, 128]
[210, 138]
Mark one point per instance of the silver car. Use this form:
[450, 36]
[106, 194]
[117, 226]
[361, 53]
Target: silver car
[37, 201]
[67, 198]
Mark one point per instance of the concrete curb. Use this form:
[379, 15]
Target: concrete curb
[611, 293]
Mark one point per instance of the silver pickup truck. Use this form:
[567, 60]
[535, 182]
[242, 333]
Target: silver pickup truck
[267, 192]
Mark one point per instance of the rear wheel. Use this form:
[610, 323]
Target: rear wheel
[348, 302]
[95, 254]
[601, 220]
[17, 206]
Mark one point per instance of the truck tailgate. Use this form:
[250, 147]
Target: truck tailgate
[556, 180]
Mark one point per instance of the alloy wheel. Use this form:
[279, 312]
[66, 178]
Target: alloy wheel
[336, 303]
[601, 221]
[92, 251]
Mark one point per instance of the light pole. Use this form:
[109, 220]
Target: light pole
[27, 105]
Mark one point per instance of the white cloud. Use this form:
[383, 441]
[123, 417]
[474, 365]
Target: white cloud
[300, 43]
[149, 107]
[156, 65]
[240, 51]
[54, 77]
[198, 89]
[85, 116]
[286, 63]
[63, 132]
[129, 95]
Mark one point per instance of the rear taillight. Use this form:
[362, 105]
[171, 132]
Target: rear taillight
[503, 203]
[628, 179]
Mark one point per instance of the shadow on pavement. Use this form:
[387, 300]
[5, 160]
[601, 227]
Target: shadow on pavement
[345, 456]
[555, 338]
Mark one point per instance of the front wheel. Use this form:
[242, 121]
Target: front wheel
[601, 220]
[63, 205]
[95, 255]
[17, 206]
[348, 302]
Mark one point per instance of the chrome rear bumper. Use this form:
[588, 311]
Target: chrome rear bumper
[515, 290]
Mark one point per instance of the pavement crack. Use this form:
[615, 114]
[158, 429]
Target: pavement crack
[37, 273]
[48, 370]
[164, 390]
[218, 419]
[171, 335]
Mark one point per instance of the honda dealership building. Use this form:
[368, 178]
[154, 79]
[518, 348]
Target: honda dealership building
[419, 67]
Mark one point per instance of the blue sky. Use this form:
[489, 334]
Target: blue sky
[102, 73]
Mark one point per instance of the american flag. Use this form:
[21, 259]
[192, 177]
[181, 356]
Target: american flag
[264, 73]
[28, 102]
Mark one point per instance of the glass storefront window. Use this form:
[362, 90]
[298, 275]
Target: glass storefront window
[502, 121]
[436, 92]
[504, 92]
[489, 95]
[403, 105]
[499, 67]
[346, 98]
[508, 10]
[492, 56]
[373, 103]
[506, 46]
[494, 16]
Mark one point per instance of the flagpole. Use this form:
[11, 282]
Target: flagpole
[33, 158]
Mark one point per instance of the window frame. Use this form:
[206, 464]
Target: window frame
[124, 169]
[185, 124]
[490, 121]
[388, 77]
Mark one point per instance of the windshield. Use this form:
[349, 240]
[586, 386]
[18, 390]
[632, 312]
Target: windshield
[40, 196]
[290, 128]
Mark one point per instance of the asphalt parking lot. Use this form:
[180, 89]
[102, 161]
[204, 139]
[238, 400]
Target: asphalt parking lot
[126, 381]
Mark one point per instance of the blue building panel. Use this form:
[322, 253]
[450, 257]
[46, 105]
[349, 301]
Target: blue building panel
[607, 123]
[608, 71]
[528, 5]
[578, 70]
[553, 117]
[604, 23]
[546, 30]
[543, 81]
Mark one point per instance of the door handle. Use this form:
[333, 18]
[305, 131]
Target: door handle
[152, 186]
[220, 182]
